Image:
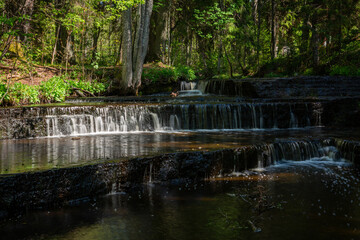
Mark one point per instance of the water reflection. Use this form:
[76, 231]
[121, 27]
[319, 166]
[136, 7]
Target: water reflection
[311, 203]
[45, 153]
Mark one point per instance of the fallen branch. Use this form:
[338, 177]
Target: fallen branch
[46, 67]
[6, 67]
[80, 93]
[82, 90]
[18, 79]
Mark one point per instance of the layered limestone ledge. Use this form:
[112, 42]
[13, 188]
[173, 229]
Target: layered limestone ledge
[59, 187]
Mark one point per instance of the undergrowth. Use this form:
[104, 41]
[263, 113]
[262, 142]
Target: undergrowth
[168, 74]
[56, 89]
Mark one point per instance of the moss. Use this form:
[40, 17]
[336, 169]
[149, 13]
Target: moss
[17, 50]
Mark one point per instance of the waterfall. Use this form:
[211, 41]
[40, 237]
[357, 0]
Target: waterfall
[64, 121]
[174, 122]
[349, 149]
[260, 156]
[293, 120]
[187, 85]
[202, 85]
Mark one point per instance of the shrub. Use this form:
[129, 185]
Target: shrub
[344, 71]
[93, 87]
[309, 72]
[273, 75]
[159, 74]
[25, 94]
[54, 90]
[168, 74]
[185, 73]
[19, 93]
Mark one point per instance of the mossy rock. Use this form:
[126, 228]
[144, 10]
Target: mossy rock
[16, 50]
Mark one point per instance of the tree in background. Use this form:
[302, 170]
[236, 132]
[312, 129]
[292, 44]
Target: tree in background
[221, 38]
[134, 52]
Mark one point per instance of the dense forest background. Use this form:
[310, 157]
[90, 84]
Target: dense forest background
[196, 39]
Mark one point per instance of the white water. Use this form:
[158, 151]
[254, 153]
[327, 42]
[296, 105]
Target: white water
[188, 85]
[89, 120]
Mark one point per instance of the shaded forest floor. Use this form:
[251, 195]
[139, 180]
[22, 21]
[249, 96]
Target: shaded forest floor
[25, 73]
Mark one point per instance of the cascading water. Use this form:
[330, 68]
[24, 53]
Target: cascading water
[350, 149]
[188, 85]
[261, 156]
[134, 118]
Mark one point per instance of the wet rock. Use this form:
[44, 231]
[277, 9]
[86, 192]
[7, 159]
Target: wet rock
[59, 187]
[305, 87]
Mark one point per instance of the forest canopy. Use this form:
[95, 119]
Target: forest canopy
[209, 38]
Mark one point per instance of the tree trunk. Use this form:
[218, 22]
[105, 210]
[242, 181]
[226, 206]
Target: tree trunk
[27, 10]
[257, 20]
[157, 39]
[96, 36]
[134, 53]
[65, 38]
[229, 62]
[127, 72]
[273, 31]
[189, 48]
[19, 8]
[220, 53]
[315, 41]
[304, 46]
[339, 34]
[55, 45]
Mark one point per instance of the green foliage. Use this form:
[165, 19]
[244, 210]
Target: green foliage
[54, 90]
[19, 93]
[213, 17]
[273, 75]
[169, 74]
[344, 71]
[115, 7]
[185, 73]
[213, 38]
[93, 87]
[22, 93]
[3, 89]
[95, 63]
[309, 72]
[159, 75]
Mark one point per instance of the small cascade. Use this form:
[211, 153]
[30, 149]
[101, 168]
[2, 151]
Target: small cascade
[318, 111]
[187, 86]
[257, 157]
[221, 87]
[349, 149]
[139, 118]
[293, 120]
[302, 150]
[174, 122]
[93, 120]
[150, 172]
[187, 93]
[202, 85]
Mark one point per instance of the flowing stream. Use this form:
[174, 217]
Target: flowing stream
[268, 168]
